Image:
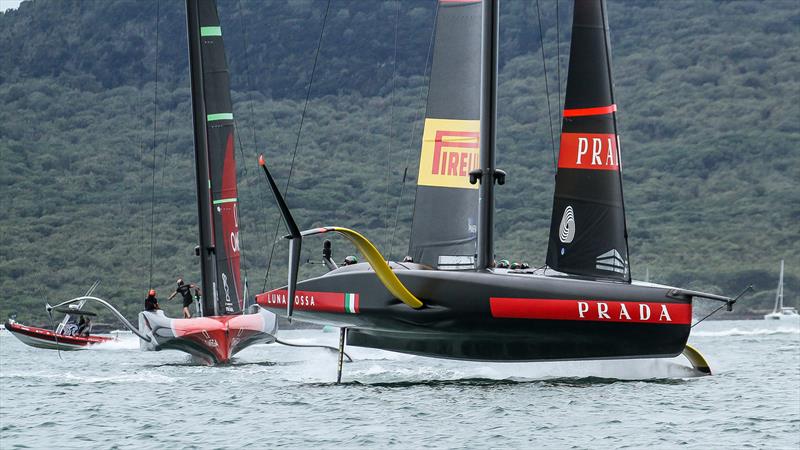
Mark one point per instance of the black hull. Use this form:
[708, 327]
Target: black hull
[491, 316]
[545, 341]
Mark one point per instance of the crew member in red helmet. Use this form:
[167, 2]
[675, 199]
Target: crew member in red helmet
[151, 302]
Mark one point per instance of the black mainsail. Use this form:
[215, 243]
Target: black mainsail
[215, 164]
[224, 330]
[445, 223]
[588, 234]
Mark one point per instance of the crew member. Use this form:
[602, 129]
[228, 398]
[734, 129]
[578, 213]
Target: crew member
[83, 326]
[186, 292]
[70, 329]
[151, 302]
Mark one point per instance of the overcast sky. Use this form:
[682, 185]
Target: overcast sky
[8, 4]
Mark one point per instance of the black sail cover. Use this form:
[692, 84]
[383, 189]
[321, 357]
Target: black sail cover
[218, 127]
[444, 227]
[587, 231]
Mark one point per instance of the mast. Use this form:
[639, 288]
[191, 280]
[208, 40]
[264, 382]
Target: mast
[215, 162]
[202, 177]
[489, 48]
[779, 293]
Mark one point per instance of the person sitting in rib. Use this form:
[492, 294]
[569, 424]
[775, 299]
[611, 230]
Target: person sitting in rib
[84, 325]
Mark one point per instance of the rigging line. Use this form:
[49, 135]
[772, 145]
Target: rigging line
[153, 171]
[244, 167]
[247, 77]
[391, 130]
[238, 135]
[166, 146]
[141, 113]
[414, 128]
[607, 48]
[55, 335]
[709, 315]
[558, 62]
[243, 24]
[241, 146]
[297, 141]
[546, 88]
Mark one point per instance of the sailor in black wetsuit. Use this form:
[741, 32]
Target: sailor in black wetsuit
[186, 292]
[151, 302]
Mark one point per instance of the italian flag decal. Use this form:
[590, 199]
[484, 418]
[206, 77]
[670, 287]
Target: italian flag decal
[351, 303]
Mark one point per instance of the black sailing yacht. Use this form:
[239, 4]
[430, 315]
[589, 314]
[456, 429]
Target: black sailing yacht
[223, 329]
[453, 301]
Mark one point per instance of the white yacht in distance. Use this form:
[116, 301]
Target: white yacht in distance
[782, 312]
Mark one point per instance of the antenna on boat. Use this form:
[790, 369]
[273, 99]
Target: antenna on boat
[294, 236]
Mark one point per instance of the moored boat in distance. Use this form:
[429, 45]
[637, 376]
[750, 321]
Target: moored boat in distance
[780, 312]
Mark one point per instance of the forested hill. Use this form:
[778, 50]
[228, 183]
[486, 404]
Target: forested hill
[94, 153]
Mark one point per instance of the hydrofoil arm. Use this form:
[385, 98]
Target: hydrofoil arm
[376, 261]
[370, 252]
[697, 360]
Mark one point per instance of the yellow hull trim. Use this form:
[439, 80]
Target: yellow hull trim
[380, 266]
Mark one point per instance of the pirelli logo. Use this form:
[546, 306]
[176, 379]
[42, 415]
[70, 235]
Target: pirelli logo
[450, 149]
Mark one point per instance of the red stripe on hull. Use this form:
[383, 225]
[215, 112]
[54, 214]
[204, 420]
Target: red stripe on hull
[591, 310]
[332, 302]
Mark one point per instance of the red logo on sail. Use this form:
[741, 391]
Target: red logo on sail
[455, 153]
[225, 203]
[596, 151]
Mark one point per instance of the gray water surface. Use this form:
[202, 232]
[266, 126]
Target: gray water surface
[114, 396]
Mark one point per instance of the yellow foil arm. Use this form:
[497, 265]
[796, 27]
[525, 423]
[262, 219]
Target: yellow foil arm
[381, 268]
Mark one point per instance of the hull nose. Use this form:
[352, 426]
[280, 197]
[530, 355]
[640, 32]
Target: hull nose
[210, 340]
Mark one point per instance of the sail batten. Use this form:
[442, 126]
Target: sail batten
[588, 232]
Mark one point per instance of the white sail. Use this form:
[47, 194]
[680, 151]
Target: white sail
[781, 312]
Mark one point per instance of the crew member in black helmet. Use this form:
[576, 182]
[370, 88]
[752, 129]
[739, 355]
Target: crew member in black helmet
[186, 292]
[151, 302]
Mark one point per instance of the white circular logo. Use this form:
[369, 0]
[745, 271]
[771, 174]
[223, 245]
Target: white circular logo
[566, 232]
